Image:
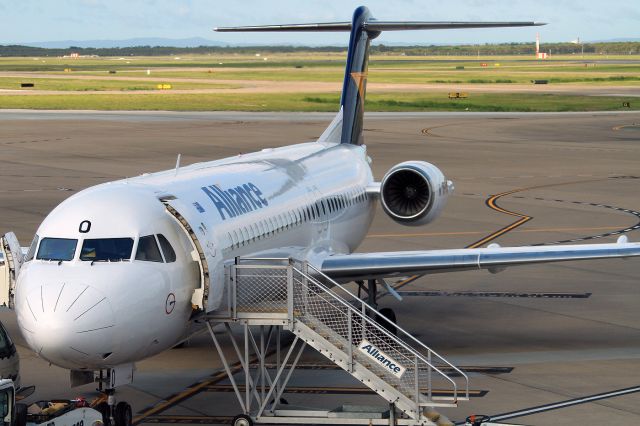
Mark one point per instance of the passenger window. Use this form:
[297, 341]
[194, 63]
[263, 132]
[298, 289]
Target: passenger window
[148, 250]
[32, 249]
[167, 250]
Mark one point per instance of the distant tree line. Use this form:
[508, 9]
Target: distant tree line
[604, 48]
[611, 48]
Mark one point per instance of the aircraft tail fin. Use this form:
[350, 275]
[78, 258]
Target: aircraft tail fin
[363, 29]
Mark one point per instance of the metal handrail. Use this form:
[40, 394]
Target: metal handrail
[395, 325]
[385, 331]
[291, 263]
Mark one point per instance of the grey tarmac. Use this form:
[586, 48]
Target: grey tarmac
[566, 164]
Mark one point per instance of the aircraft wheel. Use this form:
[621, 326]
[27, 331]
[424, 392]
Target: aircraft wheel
[123, 414]
[103, 408]
[391, 316]
[242, 420]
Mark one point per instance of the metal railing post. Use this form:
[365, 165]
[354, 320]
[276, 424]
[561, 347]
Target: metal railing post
[247, 372]
[262, 367]
[290, 292]
[234, 289]
[417, 384]
[350, 328]
[363, 322]
[429, 375]
[276, 383]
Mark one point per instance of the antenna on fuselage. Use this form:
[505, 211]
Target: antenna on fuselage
[178, 164]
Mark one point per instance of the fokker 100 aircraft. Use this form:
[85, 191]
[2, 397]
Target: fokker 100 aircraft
[115, 272]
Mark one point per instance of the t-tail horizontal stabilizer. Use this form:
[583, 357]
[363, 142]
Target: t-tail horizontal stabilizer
[363, 29]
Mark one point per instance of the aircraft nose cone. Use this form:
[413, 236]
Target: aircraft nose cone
[69, 324]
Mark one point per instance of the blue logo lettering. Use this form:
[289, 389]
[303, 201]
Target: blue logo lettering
[235, 201]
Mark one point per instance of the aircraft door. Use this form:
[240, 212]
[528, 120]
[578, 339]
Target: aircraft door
[204, 252]
[9, 270]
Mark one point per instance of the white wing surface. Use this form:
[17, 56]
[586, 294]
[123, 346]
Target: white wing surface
[358, 266]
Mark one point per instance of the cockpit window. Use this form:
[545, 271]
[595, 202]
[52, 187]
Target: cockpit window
[148, 249]
[169, 254]
[106, 249]
[32, 249]
[57, 249]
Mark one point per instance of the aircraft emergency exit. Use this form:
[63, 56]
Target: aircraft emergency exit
[117, 272]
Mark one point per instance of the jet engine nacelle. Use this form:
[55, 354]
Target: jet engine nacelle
[413, 193]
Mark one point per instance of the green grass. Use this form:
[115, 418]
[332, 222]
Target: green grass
[317, 102]
[329, 67]
[487, 102]
[213, 71]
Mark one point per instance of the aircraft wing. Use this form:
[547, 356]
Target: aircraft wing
[359, 266]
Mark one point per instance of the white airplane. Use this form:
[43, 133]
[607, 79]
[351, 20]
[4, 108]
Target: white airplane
[117, 272]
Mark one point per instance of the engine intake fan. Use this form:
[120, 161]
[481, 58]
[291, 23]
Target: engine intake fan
[414, 192]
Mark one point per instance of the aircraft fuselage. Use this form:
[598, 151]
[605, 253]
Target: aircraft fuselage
[93, 310]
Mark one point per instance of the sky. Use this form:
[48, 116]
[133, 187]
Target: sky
[23, 21]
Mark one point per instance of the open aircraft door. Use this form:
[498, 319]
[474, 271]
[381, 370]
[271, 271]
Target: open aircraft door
[10, 263]
[203, 251]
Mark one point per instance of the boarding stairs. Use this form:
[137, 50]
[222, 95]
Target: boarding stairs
[286, 294]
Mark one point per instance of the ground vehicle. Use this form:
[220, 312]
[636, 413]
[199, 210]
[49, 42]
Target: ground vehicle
[50, 413]
[9, 361]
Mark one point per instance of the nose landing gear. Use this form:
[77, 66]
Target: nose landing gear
[113, 413]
